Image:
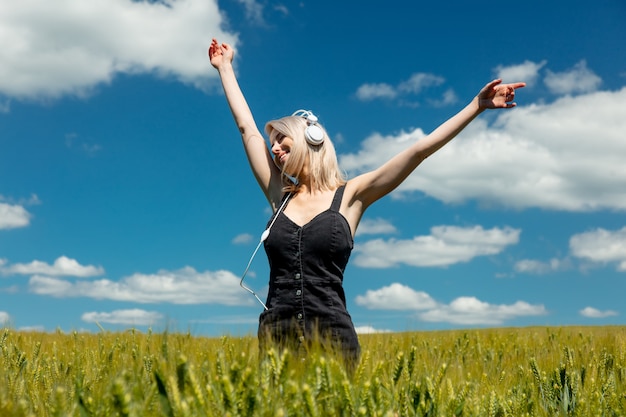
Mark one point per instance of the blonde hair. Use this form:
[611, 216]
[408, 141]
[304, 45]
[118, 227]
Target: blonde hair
[323, 166]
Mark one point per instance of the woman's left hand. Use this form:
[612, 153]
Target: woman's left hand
[496, 95]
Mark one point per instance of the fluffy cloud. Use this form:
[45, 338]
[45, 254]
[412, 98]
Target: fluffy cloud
[184, 286]
[593, 313]
[63, 266]
[599, 246]
[565, 155]
[254, 11]
[462, 310]
[136, 317]
[602, 246]
[472, 311]
[243, 239]
[13, 216]
[52, 49]
[527, 71]
[410, 87]
[367, 92]
[446, 245]
[420, 81]
[578, 79]
[369, 330]
[532, 266]
[395, 297]
[376, 226]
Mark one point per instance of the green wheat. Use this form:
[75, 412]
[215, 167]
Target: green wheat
[492, 372]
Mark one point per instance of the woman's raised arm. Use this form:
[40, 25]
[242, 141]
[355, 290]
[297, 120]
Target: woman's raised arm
[265, 172]
[371, 186]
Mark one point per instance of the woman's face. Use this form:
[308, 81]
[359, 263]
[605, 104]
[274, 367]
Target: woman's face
[281, 147]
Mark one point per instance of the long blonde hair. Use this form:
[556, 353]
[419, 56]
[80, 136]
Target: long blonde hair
[323, 166]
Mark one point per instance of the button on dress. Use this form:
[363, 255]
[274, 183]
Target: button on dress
[306, 299]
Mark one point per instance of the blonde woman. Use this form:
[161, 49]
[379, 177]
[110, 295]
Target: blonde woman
[317, 210]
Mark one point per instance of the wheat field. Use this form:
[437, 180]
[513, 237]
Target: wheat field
[539, 371]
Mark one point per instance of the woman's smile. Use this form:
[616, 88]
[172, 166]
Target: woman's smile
[280, 148]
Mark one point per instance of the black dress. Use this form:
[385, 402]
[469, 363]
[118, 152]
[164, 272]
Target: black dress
[306, 301]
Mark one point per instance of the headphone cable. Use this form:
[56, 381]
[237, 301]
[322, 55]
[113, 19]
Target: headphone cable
[264, 236]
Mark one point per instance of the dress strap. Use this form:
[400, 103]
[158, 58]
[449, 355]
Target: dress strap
[337, 198]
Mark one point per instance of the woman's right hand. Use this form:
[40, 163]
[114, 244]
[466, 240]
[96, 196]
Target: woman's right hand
[220, 54]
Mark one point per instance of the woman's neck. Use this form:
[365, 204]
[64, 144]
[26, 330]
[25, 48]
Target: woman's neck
[308, 186]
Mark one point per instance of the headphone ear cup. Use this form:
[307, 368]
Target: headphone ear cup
[314, 135]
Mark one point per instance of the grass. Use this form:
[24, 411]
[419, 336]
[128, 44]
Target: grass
[552, 371]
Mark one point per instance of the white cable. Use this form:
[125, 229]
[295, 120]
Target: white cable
[264, 236]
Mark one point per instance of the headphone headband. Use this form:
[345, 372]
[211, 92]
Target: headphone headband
[313, 133]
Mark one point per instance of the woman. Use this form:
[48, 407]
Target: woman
[317, 211]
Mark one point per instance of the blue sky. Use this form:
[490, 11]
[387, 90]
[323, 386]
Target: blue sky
[126, 199]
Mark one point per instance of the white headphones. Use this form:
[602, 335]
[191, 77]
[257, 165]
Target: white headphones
[313, 133]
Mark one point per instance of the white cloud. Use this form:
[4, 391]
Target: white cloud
[13, 289]
[377, 149]
[63, 266]
[593, 313]
[472, 311]
[420, 81]
[446, 245]
[34, 328]
[135, 317]
[578, 79]
[413, 86]
[74, 141]
[4, 318]
[282, 9]
[462, 310]
[368, 92]
[395, 297]
[602, 246]
[532, 266]
[567, 155]
[527, 72]
[254, 11]
[184, 286]
[449, 97]
[13, 216]
[376, 226]
[53, 49]
[369, 330]
[242, 239]
[30, 201]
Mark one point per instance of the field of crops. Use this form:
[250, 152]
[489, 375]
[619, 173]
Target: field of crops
[553, 371]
